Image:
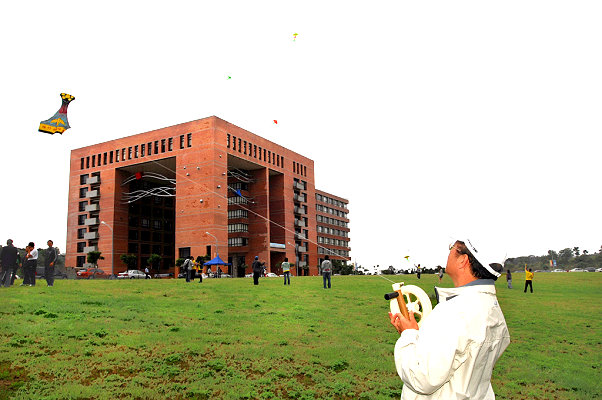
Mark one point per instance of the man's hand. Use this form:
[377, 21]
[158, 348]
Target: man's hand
[401, 323]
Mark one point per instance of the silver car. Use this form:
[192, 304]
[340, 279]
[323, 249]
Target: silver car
[132, 274]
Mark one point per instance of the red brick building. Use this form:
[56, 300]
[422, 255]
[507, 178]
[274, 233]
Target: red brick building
[200, 188]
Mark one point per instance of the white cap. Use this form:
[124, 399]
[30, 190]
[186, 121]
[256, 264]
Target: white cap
[482, 257]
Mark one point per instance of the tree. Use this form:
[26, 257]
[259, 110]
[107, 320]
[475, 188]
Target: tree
[565, 256]
[585, 252]
[154, 260]
[576, 251]
[93, 257]
[130, 261]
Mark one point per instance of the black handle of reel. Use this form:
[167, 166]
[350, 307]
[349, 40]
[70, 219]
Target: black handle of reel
[390, 296]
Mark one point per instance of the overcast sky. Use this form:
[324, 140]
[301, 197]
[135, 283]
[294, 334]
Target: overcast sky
[434, 119]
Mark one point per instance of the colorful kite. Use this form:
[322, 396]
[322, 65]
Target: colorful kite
[295, 36]
[58, 122]
[275, 121]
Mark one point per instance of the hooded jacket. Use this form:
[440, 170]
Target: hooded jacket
[453, 354]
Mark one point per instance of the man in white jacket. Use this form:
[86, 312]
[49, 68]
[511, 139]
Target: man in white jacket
[453, 354]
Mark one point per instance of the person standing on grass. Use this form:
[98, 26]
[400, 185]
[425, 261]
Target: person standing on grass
[187, 267]
[8, 261]
[509, 279]
[286, 270]
[257, 268]
[440, 273]
[49, 262]
[452, 354]
[418, 271]
[528, 279]
[326, 268]
[31, 263]
[146, 274]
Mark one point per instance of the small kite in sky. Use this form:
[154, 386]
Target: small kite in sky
[295, 36]
[407, 258]
[58, 122]
[276, 122]
[229, 77]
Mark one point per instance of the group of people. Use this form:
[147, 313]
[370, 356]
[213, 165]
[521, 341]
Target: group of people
[193, 268]
[528, 279]
[11, 260]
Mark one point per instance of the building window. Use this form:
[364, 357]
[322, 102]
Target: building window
[156, 224]
[238, 228]
[149, 146]
[156, 151]
[111, 157]
[255, 150]
[82, 192]
[264, 154]
[269, 156]
[104, 159]
[82, 205]
[80, 247]
[239, 145]
[245, 147]
[260, 153]
[232, 214]
[81, 219]
[83, 179]
[170, 144]
[237, 242]
[81, 232]
[234, 143]
[145, 222]
[82, 163]
[189, 140]
[162, 145]
[123, 154]
[94, 161]
[182, 141]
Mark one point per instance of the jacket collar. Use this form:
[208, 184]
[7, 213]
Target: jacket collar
[479, 285]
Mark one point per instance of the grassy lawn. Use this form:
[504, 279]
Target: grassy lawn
[227, 339]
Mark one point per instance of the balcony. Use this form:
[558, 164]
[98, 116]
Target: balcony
[299, 223]
[298, 185]
[90, 248]
[92, 207]
[91, 235]
[92, 194]
[300, 198]
[302, 264]
[302, 249]
[91, 221]
[299, 210]
[300, 236]
[93, 180]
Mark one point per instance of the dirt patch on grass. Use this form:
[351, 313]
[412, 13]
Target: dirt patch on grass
[11, 379]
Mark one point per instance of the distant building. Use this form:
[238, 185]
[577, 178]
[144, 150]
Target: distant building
[201, 188]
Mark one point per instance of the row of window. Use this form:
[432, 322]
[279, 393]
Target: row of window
[238, 214]
[299, 169]
[150, 249]
[334, 242]
[342, 253]
[238, 228]
[148, 223]
[332, 231]
[143, 150]
[238, 200]
[237, 242]
[328, 210]
[328, 200]
[252, 150]
[148, 236]
[239, 185]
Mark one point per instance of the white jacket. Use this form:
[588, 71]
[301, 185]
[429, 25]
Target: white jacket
[453, 354]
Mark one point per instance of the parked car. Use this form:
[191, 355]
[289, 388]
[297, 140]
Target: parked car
[598, 269]
[131, 274]
[577, 270]
[163, 275]
[271, 275]
[91, 273]
[558, 270]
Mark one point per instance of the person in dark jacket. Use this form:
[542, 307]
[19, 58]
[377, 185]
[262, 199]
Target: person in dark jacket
[30, 264]
[49, 262]
[8, 262]
[257, 268]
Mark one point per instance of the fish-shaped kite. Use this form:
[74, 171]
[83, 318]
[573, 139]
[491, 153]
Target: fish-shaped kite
[58, 122]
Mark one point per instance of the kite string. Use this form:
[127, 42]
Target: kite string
[241, 206]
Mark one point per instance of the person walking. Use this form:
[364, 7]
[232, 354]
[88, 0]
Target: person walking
[49, 263]
[326, 268]
[256, 270]
[200, 271]
[286, 270]
[418, 271]
[528, 279]
[187, 266]
[31, 264]
[509, 279]
[440, 273]
[453, 353]
[8, 261]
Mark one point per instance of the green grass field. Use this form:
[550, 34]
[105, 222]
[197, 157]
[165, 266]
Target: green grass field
[228, 339]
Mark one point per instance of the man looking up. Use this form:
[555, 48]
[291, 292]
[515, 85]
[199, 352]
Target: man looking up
[453, 354]
[49, 262]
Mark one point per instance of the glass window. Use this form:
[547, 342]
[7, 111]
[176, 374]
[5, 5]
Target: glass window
[170, 144]
[189, 139]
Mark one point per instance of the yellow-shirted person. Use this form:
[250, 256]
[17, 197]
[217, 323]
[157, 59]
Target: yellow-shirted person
[528, 279]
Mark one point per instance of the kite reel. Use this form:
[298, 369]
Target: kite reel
[412, 298]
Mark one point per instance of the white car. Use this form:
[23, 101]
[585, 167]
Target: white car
[558, 270]
[598, 269]
[577, 270]
[132, 274]
[271, 275]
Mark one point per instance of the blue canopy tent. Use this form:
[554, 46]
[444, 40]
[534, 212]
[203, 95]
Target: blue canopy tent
[216, 261]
